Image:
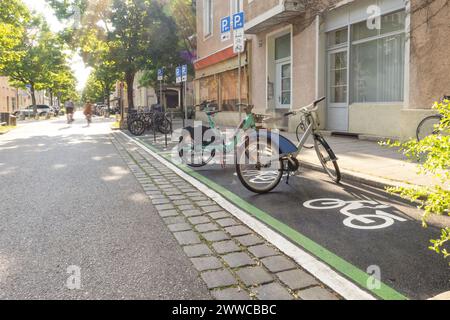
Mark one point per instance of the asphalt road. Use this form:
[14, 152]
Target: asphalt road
[396, 246]
[68, 199]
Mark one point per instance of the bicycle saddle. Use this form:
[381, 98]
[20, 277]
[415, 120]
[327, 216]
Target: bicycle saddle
[211, 113]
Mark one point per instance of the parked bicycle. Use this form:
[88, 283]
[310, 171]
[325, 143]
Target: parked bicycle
[196, 153]
[269, 156]
[139, 122]
[430, 125]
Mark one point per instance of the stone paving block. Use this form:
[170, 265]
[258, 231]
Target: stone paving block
[180, 202]
[227, 222]
[252, 276]
[278, 263]
[216, 236]
[250, 240]
[206, 263]
[238, 231]
[160, 201]
[168, 213]
[206, 227]
[210, 209]
[226, 247]
[187, 237]
[297, 279]
[154, 193]
[186, 207]
[164, 207]
[218, 279]
[198, 220]
[174, 220]
[154, 197]
[219, 215]
[201, 198]
[272, 291]
[205, 203]
[192, 213]
[198, 250]
[316, 293]
[239, 259]
[180, 227]
[262, 251]
[230, 294]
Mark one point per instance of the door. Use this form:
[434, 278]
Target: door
[283, 84]
[338, 90]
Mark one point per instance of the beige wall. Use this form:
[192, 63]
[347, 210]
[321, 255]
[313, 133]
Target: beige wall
[8, 94]
[257, 7]
[430, 47]
[212, 44]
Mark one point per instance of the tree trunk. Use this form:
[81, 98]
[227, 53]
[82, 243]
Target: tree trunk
[33, 100]
[129, 77]
[51, 97]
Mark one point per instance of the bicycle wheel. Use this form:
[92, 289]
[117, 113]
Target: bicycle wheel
[327, 159]
[164, 126]
[137, 127]
[428, 127]
[259, 167]
[192, 154]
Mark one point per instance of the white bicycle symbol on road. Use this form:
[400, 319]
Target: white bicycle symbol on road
[379, 220]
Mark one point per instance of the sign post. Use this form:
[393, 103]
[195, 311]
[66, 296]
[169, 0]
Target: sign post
[178, 80]
[160, 79]
[238, 47]
[184, 75]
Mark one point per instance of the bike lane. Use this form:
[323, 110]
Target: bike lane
[361, 232]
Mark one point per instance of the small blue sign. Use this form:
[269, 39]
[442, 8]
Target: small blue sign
[238, 20]
[225, 25]
[28, 86]
[178, 74]
[160, 74]
[184, 72]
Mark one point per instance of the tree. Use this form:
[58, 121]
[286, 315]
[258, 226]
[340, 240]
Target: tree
[93, 90]
[14, 15]
[433, 154]
[41, 57]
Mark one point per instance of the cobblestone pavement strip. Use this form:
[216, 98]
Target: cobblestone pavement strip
[234, 262]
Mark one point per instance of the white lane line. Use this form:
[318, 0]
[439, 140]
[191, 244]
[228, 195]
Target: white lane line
[347, 289]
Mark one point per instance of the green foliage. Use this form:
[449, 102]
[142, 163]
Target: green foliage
[14, 15]
[433, 155]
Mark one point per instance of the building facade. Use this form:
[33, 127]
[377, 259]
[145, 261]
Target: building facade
[380, 63]
[12, 99]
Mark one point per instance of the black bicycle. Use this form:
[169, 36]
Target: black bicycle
[430, 125]
[139, 122]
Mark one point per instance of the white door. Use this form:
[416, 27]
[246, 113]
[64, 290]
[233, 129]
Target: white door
[283, 84]
[337, 90]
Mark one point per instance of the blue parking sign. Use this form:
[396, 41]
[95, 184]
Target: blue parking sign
[238, 20]
[225, 25]
[184, 72]
[178, 74]
[160, 74]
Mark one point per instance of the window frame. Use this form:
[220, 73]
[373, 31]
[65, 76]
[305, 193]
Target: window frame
[349, 46]
[208, 19]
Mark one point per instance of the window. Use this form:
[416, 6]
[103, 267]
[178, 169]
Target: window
[378, 58]
[283, 47]
[207, 18]
[237, 6]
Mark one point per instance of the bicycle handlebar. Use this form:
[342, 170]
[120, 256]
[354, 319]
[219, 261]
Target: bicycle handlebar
[309, 108]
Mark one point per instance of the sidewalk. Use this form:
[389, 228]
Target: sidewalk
[368, 162]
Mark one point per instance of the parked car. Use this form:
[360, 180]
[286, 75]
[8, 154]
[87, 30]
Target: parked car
[42, 110]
